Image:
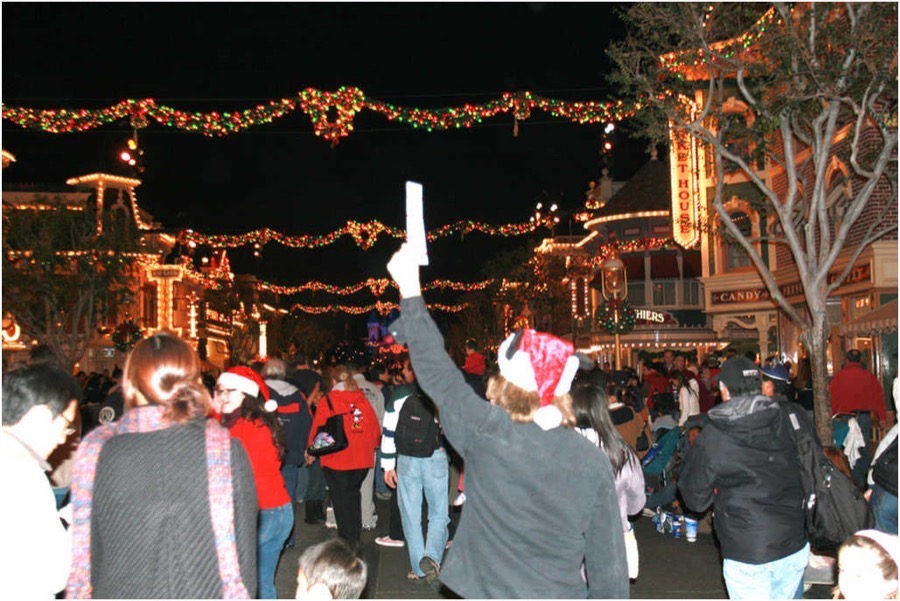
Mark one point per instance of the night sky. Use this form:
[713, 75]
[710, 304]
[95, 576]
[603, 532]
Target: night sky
[234, 56]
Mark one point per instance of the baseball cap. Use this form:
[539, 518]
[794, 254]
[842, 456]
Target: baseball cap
[776, 372]
[740, 375]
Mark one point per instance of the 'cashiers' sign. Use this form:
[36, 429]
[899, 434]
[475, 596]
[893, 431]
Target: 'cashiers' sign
[683, 162]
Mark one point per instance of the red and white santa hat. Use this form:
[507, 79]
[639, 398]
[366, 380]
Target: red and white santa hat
[249, 382]
[542, 363]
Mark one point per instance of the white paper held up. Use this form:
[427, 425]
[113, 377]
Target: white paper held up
[415, 222]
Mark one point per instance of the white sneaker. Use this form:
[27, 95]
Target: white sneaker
[330, 522]
[387, 541]
[459, 500]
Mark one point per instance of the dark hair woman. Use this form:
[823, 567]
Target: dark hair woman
[590, 406]
[163, 491]
[242, 398]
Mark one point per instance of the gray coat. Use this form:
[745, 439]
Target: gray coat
[538, 503]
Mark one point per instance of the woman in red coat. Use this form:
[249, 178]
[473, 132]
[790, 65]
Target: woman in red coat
[242, 400]
[345, 470]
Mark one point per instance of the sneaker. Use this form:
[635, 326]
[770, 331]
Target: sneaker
[431, 568]
[647, 512]
[459, 499]
[411, 575]
[387, 541]
[330, 522]
[372, 524]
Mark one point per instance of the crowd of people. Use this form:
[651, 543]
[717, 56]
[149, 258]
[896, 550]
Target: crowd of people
[187, 486]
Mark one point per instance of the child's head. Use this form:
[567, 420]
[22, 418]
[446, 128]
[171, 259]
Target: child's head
[331, 570]
[867, 563]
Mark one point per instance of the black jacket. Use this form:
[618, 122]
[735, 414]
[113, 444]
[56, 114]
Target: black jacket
[745, 464]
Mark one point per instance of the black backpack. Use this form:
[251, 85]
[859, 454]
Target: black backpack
[835, 508]
[417, 433]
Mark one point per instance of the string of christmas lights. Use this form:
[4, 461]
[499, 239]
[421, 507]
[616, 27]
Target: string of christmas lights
[605, 251]
[376, 286]
[331, 113]
[382, 308]
[688, 60]
[364, 234]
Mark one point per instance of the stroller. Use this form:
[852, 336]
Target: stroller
[659, 466]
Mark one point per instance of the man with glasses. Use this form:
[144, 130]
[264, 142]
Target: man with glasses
[39, 407]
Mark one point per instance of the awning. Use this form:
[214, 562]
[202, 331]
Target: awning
[664, 267]
[877, 321]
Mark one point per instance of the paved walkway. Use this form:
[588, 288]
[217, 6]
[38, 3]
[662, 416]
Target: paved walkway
[670, 568]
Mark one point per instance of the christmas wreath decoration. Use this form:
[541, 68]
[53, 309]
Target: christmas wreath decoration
[126, 335]
[606, 316]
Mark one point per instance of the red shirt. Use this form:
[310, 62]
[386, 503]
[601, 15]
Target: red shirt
[360, 424]
[257, 440]
[855, 389]
[474, 364]
[657, 383]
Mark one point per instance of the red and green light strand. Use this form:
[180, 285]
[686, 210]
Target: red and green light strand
[331, 113]
[376, 286]
[381, 307]
[605, 251]
[364, 234]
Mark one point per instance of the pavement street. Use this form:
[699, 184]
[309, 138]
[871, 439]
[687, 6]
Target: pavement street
[670, 568]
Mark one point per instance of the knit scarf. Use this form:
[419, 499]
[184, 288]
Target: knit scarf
[218, 464]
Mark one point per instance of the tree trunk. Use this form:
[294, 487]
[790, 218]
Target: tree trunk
[815, 338]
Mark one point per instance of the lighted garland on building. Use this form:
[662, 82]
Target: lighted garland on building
[376, 286]
[364, 234]
[126, 335]
[604, 251]
[344, 104]
[605, 316]
[381, 307]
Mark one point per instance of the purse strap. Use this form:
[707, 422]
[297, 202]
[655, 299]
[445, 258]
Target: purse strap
[330, 406]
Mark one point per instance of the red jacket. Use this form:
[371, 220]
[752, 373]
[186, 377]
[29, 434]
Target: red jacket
[855, 389]
[257, 440]
[360, 424]
[656, 383]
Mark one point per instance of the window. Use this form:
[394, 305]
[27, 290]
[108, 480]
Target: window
[664, 292]
[735, 254]
[691, 292]
[636, 293]
[148, 313]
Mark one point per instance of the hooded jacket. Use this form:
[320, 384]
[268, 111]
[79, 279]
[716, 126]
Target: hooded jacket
[744, 464]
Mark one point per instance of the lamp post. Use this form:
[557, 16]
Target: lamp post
[615, 288]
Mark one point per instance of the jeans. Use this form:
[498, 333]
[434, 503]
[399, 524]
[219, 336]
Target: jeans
[778, 579]
[291, 475]
[431, 476]
[274, 527]
[884, 508]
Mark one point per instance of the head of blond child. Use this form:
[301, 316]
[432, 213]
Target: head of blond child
[333, 569]
[867, 566]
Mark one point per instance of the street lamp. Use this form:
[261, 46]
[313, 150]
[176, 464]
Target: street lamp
[614, 285]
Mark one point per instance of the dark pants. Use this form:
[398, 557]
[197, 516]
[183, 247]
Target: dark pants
[343, 486]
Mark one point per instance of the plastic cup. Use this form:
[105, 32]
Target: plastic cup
[690, 529]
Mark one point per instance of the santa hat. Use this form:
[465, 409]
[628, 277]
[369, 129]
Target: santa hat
[249, 382]
[542, 363]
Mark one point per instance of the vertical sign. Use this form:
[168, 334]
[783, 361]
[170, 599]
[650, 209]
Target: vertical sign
[683, 166]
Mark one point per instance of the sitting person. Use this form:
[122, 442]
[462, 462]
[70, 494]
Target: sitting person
[333, 569]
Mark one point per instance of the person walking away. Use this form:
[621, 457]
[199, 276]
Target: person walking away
[422, 470]
[295, 420]
[242, 399]
[40, 404]
[310, 479]
[519, 536]
[345, 470]
[743, 463]
[593, 421]
[855, 392]
[163, 490]
[376, 399]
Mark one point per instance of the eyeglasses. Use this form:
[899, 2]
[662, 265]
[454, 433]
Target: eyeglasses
[218, 390]
[70, 427]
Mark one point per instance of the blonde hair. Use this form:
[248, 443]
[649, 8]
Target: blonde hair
[521, 404]
[342, 374]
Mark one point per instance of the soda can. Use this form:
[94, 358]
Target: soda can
[676, 526]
